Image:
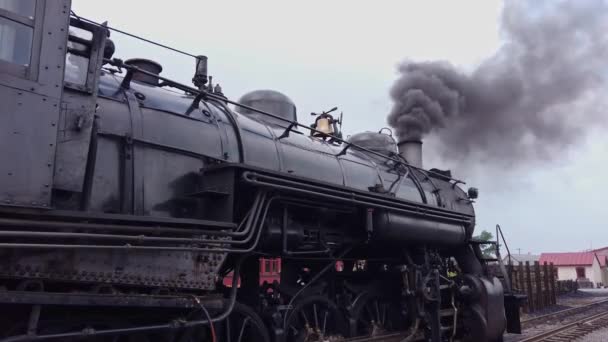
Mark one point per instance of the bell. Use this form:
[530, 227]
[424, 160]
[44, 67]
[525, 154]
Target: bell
[324, 127]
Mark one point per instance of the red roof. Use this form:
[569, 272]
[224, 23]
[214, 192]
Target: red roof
[570, 259]
[601, 251]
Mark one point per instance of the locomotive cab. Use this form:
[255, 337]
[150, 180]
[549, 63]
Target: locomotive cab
[36, 43]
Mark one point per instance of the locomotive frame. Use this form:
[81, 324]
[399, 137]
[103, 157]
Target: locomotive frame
[113, 226]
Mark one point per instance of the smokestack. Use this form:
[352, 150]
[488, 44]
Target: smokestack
[411, 150]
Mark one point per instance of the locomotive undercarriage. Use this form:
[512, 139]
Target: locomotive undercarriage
[337, 282]
[422, 296]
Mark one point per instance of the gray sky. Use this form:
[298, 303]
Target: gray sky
[344, 53]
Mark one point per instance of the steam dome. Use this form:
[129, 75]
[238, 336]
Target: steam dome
[270, 101]
[377, 142]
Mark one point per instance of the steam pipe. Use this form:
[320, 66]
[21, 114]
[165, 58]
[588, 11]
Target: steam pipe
[352, 197]
[130, 228]
[166, 248]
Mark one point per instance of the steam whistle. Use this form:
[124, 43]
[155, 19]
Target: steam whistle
[326, 126]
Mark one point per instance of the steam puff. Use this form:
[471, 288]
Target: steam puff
[537, 94]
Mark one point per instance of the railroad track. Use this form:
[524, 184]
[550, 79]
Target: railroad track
[389, 337]
[572, 331]
[596, 317]
[562, 314]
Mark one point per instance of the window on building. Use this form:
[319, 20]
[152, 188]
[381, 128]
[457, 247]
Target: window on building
[267, 266]
[580, 272]
[17, 31]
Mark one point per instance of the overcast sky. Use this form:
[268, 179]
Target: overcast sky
[344, 53]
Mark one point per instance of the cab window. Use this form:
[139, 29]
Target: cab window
[77, 58]
[16, 32]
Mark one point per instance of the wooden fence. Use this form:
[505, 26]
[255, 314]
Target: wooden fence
[537, 281]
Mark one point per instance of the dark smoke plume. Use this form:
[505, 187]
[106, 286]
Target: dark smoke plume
[535, 96]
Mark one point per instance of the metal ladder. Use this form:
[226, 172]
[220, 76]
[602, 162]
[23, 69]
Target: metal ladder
[512, 300]
[504, 274]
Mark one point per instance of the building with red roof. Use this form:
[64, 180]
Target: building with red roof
[601, 251]
[580, 266]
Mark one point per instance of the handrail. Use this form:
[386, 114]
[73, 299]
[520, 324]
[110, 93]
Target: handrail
[203, 95]
[499, 231]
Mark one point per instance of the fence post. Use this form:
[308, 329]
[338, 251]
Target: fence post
[552, 274]
[522, 285]
[531, 304]
[510, 273]
[546, 292]
[537, 281]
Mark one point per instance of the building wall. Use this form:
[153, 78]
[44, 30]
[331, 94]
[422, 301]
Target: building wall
[600, 274]
[597, 273]
[594, 273]
[566, 272]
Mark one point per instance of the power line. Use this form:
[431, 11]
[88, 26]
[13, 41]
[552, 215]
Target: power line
[131, 35]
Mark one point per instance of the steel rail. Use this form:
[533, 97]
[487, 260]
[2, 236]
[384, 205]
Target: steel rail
[565, 311]
[553, 332]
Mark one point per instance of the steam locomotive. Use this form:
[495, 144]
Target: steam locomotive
[127, 199]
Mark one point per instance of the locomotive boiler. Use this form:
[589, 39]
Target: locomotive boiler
[127, 199]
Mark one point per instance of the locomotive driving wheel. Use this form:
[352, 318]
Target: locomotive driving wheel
[373, 315]
[243, 325]
[315, 318]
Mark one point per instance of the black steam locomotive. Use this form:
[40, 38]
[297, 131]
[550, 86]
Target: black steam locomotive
[127, 199]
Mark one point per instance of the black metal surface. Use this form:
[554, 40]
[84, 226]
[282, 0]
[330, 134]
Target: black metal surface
[156, 184]
[108, 300]
[406, 230]
[288, 183]
[173, 325]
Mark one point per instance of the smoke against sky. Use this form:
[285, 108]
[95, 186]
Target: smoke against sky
[538, 94]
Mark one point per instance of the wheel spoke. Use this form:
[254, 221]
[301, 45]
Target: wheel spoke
[377, 311]
[228, 330]
[314, 308]
[315, 318]
[369, 313]
[377, 314]
[243, 329]
[305, 318]
[243, 325]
